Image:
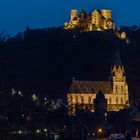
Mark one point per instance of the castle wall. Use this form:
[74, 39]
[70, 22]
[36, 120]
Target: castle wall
[96, 21]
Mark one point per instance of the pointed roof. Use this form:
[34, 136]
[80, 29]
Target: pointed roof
[118, 71]
[96, 11]
[83, 12]
[117, 57]
[100, 95]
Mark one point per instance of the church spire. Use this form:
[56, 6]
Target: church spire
[118, 73]
[117, 57]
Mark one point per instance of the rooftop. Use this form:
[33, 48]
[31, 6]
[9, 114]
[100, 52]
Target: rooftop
[91, 87]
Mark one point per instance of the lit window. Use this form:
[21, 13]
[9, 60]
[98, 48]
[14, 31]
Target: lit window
[110, 100]
[116, 89]
[121, 100]
[76, 99]
[82, 99]
[89, 99]
[122, 89]
[117, 101]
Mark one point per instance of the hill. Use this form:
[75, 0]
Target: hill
[44, 61]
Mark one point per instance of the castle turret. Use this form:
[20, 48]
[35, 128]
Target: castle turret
[107, 14]
[74, 14]
[96, 18]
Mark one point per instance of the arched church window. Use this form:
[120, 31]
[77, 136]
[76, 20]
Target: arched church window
[121, 100]
[82, 99]
[110, 100]
[73, 99]
[89, 99]
[76, 99]
[116, 89]
[117, 100]
[70, 99]
[122, 89]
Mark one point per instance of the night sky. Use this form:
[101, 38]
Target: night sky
[16, 15]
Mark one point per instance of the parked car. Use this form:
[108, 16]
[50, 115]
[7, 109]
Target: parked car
[117, 137]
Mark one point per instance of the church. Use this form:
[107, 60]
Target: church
[82, 94]
[98, 20]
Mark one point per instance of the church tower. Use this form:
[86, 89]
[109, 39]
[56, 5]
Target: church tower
[120, 87]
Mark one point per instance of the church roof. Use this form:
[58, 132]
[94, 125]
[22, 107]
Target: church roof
[91, 87]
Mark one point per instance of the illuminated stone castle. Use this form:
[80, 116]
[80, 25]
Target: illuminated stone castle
[81, 94]
[98, 20]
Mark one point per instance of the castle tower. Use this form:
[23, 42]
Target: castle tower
[107, 14]
[96, 18]
[74, 14]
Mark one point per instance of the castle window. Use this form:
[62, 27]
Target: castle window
[117, 101]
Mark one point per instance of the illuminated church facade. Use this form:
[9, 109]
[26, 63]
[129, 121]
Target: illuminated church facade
[98, 20]
[81, 94]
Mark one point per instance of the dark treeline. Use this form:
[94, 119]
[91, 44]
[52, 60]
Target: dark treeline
[45, 60]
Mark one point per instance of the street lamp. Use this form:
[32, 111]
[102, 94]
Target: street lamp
[34, 97]
[99, 131]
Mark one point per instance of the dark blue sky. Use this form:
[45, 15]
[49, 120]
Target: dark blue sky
[16, 15]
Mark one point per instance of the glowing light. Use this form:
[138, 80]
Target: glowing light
[19, 93]
[20, 132]
[74, 36]
[64, 126]
[13, 92]
[45, 130]
[38, 131]
[127, 41]
[34, 97]
[100, 130]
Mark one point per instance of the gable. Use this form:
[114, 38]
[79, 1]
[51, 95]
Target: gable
[95, 12]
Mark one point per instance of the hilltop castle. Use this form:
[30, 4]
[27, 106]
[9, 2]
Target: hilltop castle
[98, 20]
[81, 94]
